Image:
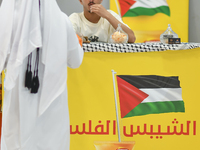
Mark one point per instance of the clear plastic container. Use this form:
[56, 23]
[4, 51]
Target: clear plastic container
[169, 33]
[119, 36]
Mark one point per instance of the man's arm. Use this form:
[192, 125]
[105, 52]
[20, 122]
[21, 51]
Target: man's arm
[102, 12]
[74, 51]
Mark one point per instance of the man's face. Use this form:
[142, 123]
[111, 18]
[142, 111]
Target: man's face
[88, 3]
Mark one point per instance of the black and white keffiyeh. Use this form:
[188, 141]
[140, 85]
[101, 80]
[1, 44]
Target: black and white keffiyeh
[137, 47]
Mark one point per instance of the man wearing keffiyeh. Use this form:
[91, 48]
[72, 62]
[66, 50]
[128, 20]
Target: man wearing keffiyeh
[35, 36]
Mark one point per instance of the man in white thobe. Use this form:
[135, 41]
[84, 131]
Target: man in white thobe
[38, 121]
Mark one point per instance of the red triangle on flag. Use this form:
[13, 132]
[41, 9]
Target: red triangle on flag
[129, 96]
[125, 5]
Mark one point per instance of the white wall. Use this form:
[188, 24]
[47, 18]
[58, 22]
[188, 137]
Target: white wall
[70, 6]
[194, 21]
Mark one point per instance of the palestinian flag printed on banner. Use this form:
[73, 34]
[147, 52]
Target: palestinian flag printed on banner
[133, 8]
[149, 94]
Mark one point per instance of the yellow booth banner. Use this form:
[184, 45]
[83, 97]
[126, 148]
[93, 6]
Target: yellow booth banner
[163, 88]
[2, 75]
[150, 18]
[156, 95]
[1, 92]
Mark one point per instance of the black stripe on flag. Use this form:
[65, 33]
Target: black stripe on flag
[152, 81]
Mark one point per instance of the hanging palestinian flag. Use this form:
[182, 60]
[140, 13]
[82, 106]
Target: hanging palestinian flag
[150, 94]
[133, 8]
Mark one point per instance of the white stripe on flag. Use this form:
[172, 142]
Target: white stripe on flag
[163, 94]
[149, 3]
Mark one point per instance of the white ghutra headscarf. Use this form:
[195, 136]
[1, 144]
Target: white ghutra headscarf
[24, 27]
[20, 35]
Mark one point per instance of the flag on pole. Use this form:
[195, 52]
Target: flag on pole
[133, 8]
[149, 94]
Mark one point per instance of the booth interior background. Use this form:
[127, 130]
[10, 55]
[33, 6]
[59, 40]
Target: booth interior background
[70, 6]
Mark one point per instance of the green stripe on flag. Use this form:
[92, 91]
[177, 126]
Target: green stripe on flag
[156, 108]
[139, 11]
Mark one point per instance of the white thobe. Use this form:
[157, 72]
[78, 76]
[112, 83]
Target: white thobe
[22, 127]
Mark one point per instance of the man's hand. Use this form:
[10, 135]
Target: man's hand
[102, 12]
[99, 10]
